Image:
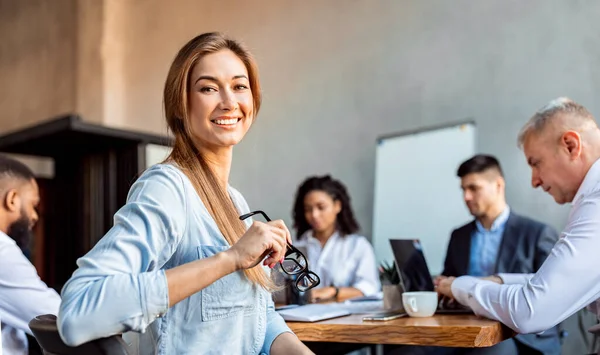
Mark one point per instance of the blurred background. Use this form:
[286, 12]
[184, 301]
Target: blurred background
[81, 101]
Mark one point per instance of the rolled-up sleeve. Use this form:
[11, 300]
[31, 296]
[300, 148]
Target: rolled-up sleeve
[366, 277]
[275, 327]
[119, 285]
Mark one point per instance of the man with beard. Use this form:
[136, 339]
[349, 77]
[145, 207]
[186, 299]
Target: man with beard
[23, 295]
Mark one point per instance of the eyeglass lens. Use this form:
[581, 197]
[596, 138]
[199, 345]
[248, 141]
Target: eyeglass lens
[294, 263]
[307, 281]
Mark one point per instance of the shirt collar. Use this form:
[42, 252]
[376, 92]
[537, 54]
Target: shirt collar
[589, 181]
[6, 238]
[499, 222]
[310, 238]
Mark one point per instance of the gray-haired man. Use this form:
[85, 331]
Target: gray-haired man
[562, 145]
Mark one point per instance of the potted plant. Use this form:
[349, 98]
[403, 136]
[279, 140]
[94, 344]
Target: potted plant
[392, 290]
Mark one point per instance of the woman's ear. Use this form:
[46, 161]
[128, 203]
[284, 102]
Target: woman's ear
[337, 206]
[12, 201]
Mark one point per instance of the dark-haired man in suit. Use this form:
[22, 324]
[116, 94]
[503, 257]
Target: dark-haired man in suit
[499, 241]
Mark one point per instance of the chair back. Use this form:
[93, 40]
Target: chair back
[45, 330]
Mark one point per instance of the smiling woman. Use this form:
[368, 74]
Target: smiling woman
[179, 268]
[222, 104]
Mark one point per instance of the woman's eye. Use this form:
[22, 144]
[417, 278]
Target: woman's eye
[208, 89]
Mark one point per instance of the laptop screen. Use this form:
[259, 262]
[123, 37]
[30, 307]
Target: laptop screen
[411, 265]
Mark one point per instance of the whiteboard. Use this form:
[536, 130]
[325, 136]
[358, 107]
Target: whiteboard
[417, 193]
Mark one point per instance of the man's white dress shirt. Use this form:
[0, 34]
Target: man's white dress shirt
[566, 282]
[23, 295]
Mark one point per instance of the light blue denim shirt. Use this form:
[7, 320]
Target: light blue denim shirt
[485, 245]
[120, 285]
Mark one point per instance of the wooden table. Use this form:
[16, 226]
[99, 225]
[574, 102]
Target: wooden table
[455, 330]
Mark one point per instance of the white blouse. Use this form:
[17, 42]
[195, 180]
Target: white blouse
[347, 261]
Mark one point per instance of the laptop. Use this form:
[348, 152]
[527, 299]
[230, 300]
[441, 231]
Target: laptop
[313, 312]
[414, 272]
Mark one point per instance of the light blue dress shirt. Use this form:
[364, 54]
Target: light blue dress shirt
[120, 285]
[23, 296]
[485, 245]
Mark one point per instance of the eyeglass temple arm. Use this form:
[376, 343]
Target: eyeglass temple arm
[250, 214]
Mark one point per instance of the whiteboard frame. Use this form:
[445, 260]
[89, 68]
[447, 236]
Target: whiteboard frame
[468, 121]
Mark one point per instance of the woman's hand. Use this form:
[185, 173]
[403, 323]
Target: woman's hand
[322, 294]
[261, 240]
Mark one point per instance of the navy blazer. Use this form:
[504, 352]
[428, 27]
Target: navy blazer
[525, 245]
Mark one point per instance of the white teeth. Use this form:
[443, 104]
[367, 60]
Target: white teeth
[227, 122]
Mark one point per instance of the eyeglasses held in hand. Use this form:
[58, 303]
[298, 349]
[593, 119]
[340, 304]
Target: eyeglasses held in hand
[294, 263]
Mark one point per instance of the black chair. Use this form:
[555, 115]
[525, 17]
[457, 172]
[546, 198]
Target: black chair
[46, 333]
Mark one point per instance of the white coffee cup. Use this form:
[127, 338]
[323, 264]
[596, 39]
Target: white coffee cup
[420, 304]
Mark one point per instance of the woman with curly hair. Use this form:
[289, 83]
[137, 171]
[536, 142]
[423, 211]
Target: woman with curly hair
[326, 227]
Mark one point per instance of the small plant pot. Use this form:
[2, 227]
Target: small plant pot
[392, 297]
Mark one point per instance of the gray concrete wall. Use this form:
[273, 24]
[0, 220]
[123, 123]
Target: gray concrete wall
[337, 74]
[37, 61]
[334, 86]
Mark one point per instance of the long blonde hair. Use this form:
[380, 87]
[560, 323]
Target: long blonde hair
[185, 152]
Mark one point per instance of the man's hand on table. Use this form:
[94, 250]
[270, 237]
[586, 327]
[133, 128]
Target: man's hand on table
[443, 284]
